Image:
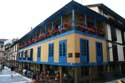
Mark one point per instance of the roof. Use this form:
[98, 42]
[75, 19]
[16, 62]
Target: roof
[107, 10]
[67, 8]
[2, 40]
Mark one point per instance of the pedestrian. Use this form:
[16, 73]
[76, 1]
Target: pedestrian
[12, 71]
[57, 77]
[0, 68]
[34, 78]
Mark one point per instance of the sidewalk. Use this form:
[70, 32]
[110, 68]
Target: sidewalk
[5, 77]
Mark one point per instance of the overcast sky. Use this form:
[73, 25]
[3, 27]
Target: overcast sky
[18, 16]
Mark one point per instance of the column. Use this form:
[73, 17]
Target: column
[90, 73]
[73, 19]
[85, 20]
[76, 74]
[60, 72]
[52, 25]
[45, 29]
[61, 24]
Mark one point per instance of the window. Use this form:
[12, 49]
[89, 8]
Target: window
[31, 54]
[99, 49]
[77, 55]
[69, 54]
[18, 56]
[113, 33]
[39, 51]
[22, 55]
[115, 53]
[90, 21]
[99, 52]
[26, 54]
[63, 48]
[84, 47]
[51, 49]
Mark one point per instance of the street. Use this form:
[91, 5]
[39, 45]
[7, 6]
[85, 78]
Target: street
[5, 77]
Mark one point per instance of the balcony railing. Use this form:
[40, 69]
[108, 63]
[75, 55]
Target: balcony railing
[92, 30]
[65, 27]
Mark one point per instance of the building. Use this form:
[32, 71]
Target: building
[71, 41]
[82, 41]
[11, 48]
[2, 50]
[115, 37]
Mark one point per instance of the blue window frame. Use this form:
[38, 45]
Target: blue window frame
[62, 48]
[63, 51]
[84, 50]
[99, 52]
[25, 57]
[51, 49]
[51, 53]
[31, 54]
[38, 53]
[22, 55]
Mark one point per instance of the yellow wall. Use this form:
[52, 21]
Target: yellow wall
[92, 47]
[73, 46]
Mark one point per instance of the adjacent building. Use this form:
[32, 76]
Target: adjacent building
[115, 29]
[2, 50]
[11, 48]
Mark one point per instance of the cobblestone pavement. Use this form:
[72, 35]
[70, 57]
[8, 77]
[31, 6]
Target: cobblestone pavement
[5, 77]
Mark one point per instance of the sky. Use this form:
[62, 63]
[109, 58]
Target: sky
[18, 16]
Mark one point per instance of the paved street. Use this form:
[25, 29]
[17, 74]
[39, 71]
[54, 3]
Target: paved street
[5, 77]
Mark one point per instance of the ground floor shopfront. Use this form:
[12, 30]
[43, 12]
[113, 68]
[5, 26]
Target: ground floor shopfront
[74, 74]
[68, 74]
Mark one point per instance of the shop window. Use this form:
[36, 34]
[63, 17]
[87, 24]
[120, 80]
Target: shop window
[51, 49]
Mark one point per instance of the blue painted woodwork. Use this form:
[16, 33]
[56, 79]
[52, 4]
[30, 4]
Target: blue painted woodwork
[99, 52]
[84, 51]
[39, 54]
[62, 51]
[51, 53]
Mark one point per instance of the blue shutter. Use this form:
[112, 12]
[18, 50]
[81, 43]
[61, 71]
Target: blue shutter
[63, 51]
[99, 52]
[38, 53]
[84, 50]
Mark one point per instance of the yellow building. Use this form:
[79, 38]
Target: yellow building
[71, 41]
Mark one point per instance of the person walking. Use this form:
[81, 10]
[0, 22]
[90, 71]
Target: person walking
[12, 71]
[0, 68]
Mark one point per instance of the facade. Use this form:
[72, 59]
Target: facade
[71, 40]
[115, 37]
[2, 50]
[75, 40]
[11, 48]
